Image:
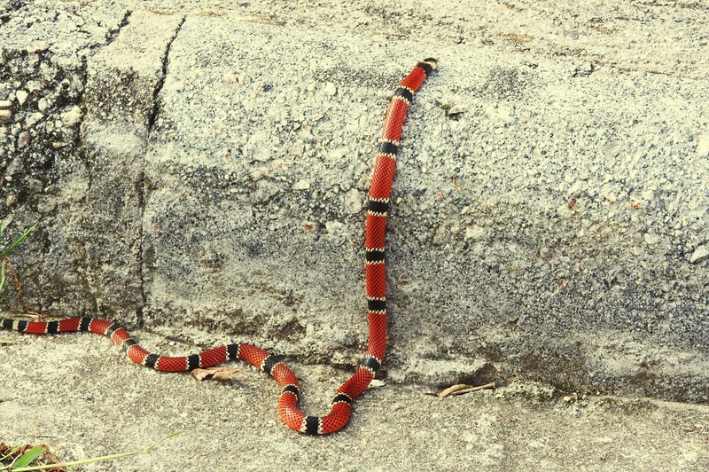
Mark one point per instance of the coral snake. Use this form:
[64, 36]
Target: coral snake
[377, 210]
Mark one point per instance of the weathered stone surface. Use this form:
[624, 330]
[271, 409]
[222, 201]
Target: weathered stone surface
[45, 172]
[200, 173]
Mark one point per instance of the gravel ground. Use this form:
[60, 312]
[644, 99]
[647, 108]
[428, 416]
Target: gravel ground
[78, 394]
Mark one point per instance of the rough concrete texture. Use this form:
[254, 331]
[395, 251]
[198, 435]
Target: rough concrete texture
[199, 171]
[81, 396]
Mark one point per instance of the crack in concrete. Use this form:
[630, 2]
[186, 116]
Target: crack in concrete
[114, 35]
[161, 80]
[141, 182]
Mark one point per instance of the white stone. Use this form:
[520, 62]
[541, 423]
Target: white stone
[333, 227]
[330, 89]
[37, 46]
[703, 146]
[32, 119]
[699, 254]
[474, 232]
[353, 202]
[21, 96]
[301, 185]
[72, 117]
[651, 238]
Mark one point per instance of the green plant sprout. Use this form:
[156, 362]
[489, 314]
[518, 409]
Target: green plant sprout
[13, 245]
[22, 463]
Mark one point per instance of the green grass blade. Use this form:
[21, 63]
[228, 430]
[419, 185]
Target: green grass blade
[17, 241]
[26, 459]
[95, 459]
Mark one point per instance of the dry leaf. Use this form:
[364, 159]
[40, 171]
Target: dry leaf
[376, 383]
[216, 373]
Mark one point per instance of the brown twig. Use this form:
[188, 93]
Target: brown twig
[460, 389]
[7, 266]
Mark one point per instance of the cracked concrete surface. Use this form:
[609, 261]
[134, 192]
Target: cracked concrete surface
[199, 171]
[520, 428]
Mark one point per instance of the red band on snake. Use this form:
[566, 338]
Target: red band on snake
[377, 209]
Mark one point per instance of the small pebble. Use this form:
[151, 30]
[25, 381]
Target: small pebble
[230, 78]
[37, 46]
[353, 202]
[584, 69]
[23, 140]
[301, 185]
[259, 174]
[32, 119]
[333, 227]
[33, 86]
[21, 96]
[72, 117]
[651, 238]
[703, 146]
[330, 89]
[474, 232]
[699, 254]
[456, 110]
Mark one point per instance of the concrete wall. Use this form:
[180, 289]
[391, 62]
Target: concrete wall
[202, 176]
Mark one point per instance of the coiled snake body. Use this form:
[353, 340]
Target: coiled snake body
[377, 210]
